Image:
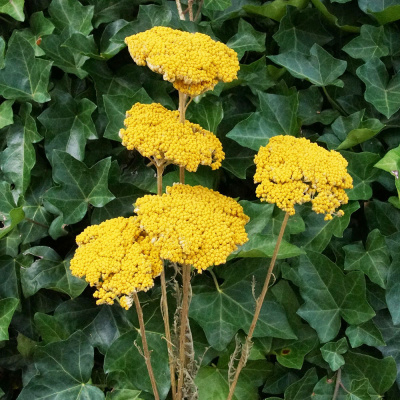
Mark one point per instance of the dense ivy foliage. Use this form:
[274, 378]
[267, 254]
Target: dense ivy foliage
[327, 70]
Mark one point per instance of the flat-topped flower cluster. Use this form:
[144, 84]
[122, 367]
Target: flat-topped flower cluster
[294, 171]
[158, 134]
[193, 225]
[116, 257]
[192, 61]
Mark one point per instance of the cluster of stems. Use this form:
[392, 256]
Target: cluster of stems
[177, 357]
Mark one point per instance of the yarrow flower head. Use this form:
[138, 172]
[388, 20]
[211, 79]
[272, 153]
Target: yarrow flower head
[118, 258]
[192, 61]
[193, 225]
[294, 171]
[158, 134]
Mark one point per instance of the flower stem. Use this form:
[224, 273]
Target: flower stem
[164, 303]
[145, 347]
[259, 302]
[182, 111]
[182, 333]
[180, 12]
[337, 385]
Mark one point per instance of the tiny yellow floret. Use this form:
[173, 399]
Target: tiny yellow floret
[192, 61]
[118, 258]
[294, 171]
[193, 225]
[158, 134]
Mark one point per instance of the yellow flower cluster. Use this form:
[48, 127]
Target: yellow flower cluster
[117, 258]
[193, 225]
[157, 133]
[294, 171]
[192, 61]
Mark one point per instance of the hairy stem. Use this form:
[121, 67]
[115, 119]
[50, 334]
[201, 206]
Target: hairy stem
[145, 347]
[259, 302]
[182, 332]
[164, 303]
[182, 110]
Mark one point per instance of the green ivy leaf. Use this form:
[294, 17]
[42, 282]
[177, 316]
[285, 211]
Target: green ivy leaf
[7, 308]
[230, 307]
[68, 125]
[50, 271]
[237, 158]
[124, 394]
[78, 187]
[101, 324]
[303, 388]
[40, 25]
[13, 8]
[219, 5]
[300, 29]
[257, 76]
[370, 44]
[10, 214]
[275, 9]
[126, 368]
[37, 220]
[64, 368]
[390, 161]
[391, 335]
[291, 353]
[9, 285]
[381, 374]
[330, 294]
[208, 113]
[6, 113]
[310, 108]
[373, 260]
[247, 39]
[108, 11]
[318, 232]
[18, 159]
[213, 384]
[366, 333]
[24, 77]
[383, 11]
[381, 91]
[393, 291]
[277, 116]
[332, 353]
[361, 389]
[319, 68]
[361, 168]
[280, 379]
[71, 14]
[49, 328]
[353, 130]
[383, 216]
[2, 52]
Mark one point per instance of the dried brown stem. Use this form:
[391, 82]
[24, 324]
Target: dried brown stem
[182, 332]
[259, 302]
[180, 12]
[146, 352]
[190, 7]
